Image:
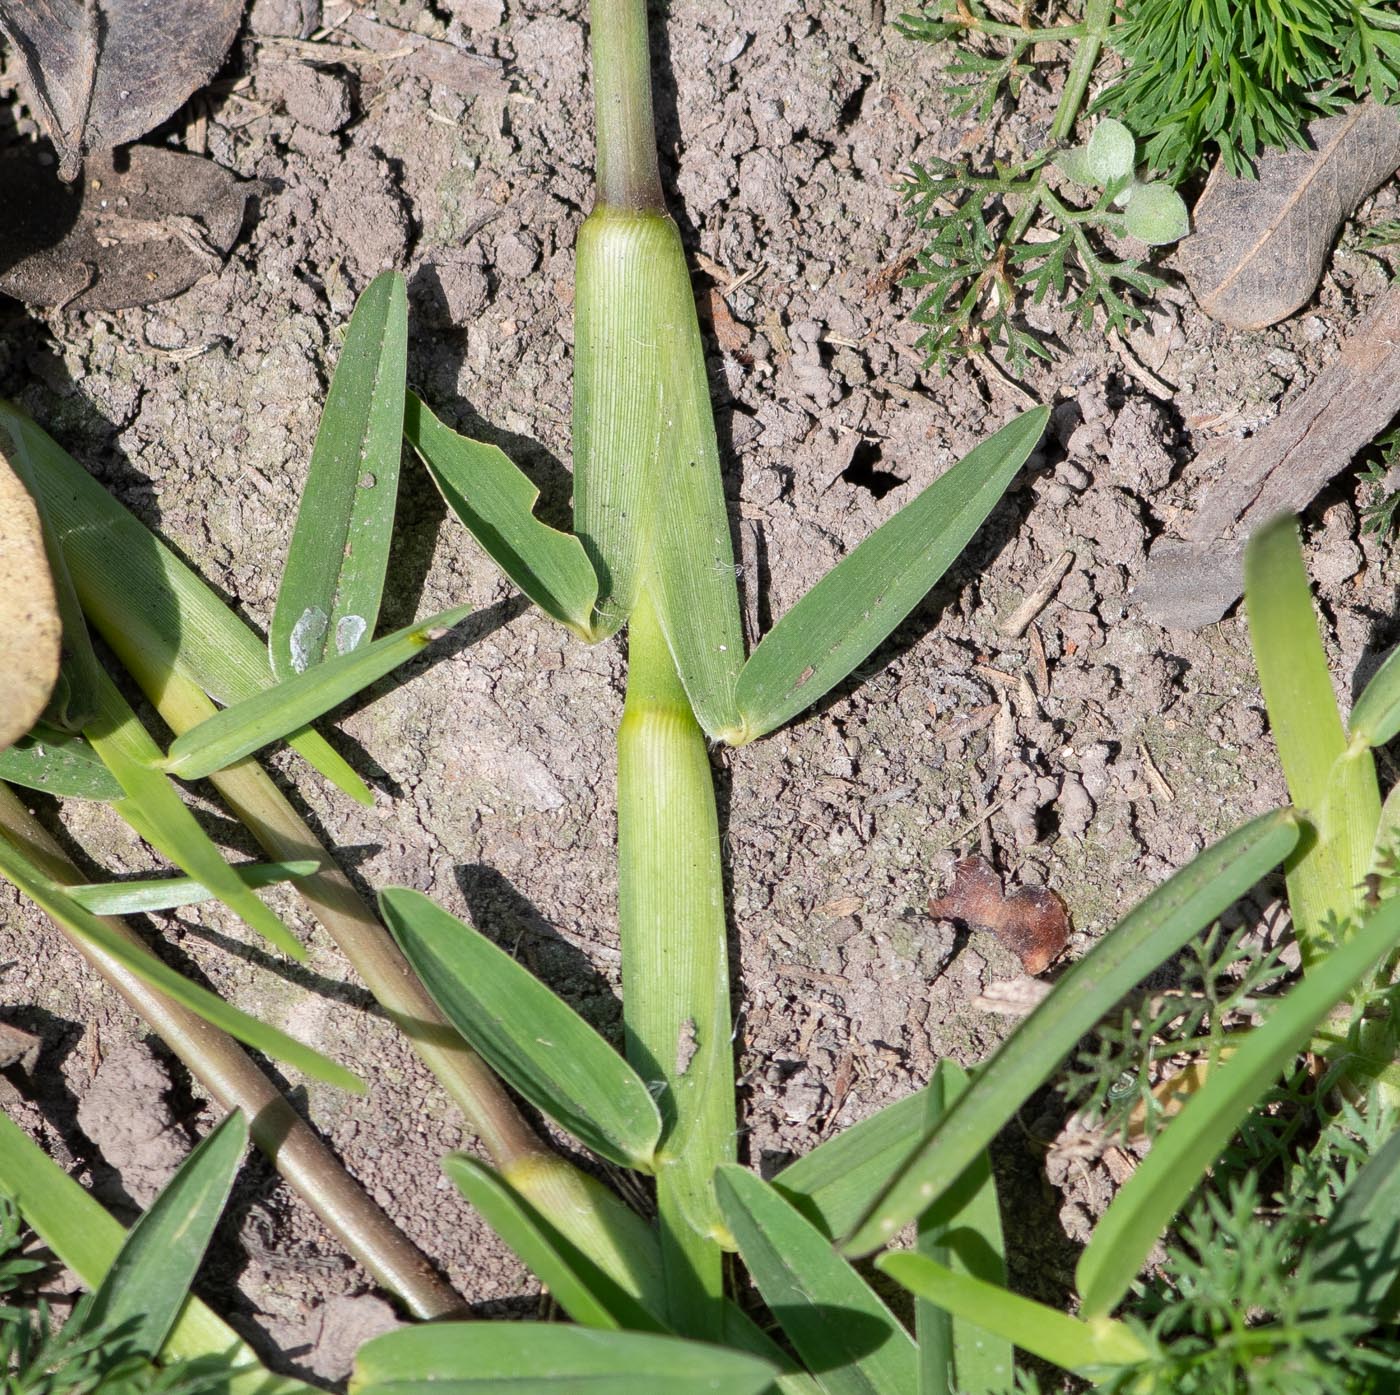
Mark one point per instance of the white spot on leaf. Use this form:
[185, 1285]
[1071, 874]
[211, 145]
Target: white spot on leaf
[349, 631]
[307, 634]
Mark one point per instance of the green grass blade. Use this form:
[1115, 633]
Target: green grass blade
[154, 612]
[535, 1042]
[836, 1183]
[147, 894]
[328, 601]
[270, 715]
[1376, 717]
[1355, 1257]
[87, 1239]
[55, 901]
[854, 608]
[1335, 787]
[58, 763]
[1070, 1342]
[127, 750]
[588, 1295]
[844, 1334]
[962, 1232]
[149, 1280]
[74, 698]
[1179, 1158]
[495, 500]
[498, 1358]
[1150, 933]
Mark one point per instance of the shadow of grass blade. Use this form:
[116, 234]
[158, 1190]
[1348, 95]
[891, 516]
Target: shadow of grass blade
[55, 901]
[149, 1280]
[1190, 1144]
[1335, 788]
[1149, 934]
[534, 1041]
[154, 808]
[855, 607]
[147, 894]
[1043, 1331]
[59, 763]
[87, 1239]
[492, 1358]
[587, 1294]
[154, 612]
[495, 501]
[333, 579]
[270, 715]
[962, 1231]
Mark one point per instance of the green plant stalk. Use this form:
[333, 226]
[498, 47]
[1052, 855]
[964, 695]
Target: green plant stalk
[675, 975]
[582, 1208]
[231, 1078]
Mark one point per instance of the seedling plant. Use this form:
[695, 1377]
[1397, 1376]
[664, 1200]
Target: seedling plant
[651, 1297]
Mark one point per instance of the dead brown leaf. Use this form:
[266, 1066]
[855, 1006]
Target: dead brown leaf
[100, 73]
[1259, 247]
[30, 630]
[1031, 921]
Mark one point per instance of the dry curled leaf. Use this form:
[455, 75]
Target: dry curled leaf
[1031, 921]
[30, 630]
[1260, 245]
[100, 73]
[136, 226]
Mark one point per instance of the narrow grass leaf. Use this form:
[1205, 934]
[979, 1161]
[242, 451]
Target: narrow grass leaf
[962, 1231]
[844, 1334]
[588, 1295]
[58, 763]
[161, 817]
[533, 1039]
[854, 608]
[148, 894]
[496, 1358]
[1355, 1256]
[1149, 934]
[1376, 717]
[149, 1281]
[87, 1239]
[1179, 1158]
[270, 715]
[328, 601]
[495, 500]
[153, 611]
[837, 1182]
[1070, 1342]
[55, 901]
[1335, 788]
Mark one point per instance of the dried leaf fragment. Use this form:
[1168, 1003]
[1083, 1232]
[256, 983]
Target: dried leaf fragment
[1260, 245]
[100, 73]
[30, 630]
[1031, 921]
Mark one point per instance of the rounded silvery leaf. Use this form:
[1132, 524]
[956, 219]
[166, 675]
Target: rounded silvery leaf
[1073, 163]
[1112, 151]
[1156, 214]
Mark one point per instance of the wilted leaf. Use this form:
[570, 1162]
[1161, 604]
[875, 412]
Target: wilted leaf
[1030, 921]
[134, 228]
[100, 73]
[1260, 245]
[30, 629]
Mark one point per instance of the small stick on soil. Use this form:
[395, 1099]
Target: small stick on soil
[1193, 580]
[1019, 621]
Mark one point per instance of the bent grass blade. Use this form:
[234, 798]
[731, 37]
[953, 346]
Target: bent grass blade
[495, 501]
[148, 894]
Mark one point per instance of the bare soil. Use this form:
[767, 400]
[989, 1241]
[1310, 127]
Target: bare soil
[1093, 755]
